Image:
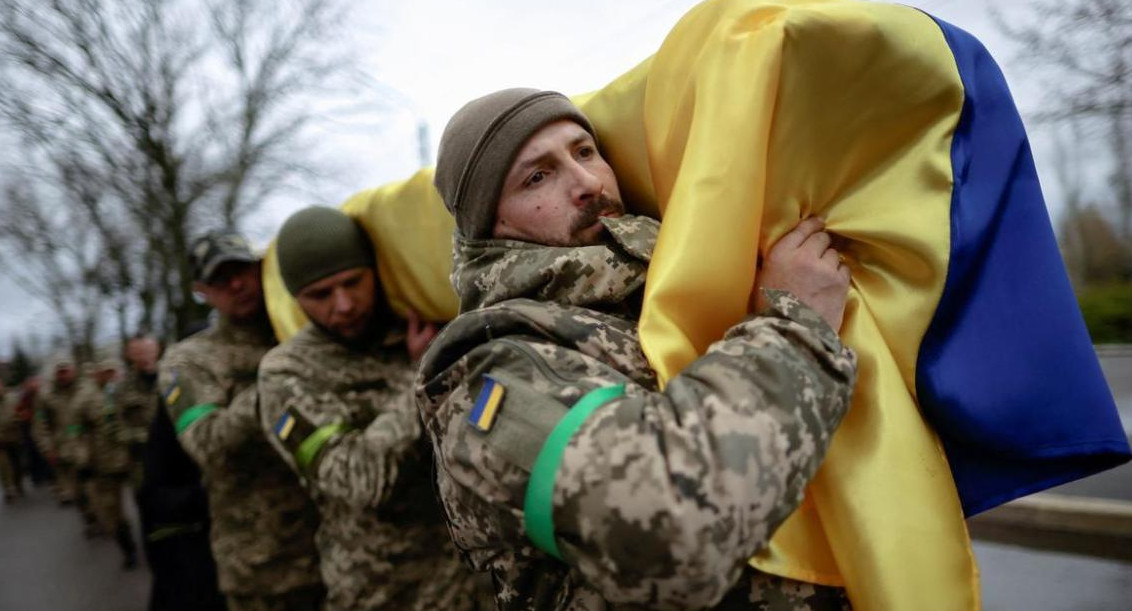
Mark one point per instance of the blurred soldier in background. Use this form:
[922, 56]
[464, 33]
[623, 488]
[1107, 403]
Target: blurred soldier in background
[336, 402]
[33, 459]
[59, 435]
[109, 457]
[11, 471]
[263, 523]
[136, 396]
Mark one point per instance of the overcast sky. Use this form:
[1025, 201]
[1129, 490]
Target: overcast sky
[435, 55]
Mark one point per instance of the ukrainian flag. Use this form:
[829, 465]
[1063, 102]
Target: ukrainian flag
[978, 382]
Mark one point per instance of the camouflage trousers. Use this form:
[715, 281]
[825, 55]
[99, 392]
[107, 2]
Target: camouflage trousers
[105, 494]
[11, 475]
[66, 482]
[309, 598]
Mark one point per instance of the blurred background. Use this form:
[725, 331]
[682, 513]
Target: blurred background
[128, 126]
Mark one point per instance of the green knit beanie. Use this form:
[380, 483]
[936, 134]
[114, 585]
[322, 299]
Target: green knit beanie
[481, 142]
[317, 242]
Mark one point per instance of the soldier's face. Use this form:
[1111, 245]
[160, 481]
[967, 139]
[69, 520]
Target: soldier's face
[143, 354]
[235, 290]
[557, 190]
[64, 375]
[102, 377]
[342, 303]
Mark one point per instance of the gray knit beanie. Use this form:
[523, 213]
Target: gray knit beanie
[481, 142]
[317, 242]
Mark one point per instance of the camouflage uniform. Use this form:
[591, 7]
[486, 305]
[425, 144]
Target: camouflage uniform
[108, 463]
[383, 541]
[58, 432]
[108, 460]
[660, 495]
[136, 396]
[263, 524]
[9, 446]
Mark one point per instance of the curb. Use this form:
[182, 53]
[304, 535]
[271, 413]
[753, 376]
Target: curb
[1113, 350]
[1054, 522]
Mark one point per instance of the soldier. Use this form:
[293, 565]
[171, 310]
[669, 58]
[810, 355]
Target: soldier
[263, 523]
[59, 435]
[109, 457]
[337, 403]
[11, 472]
[565, 470]
[136, 396]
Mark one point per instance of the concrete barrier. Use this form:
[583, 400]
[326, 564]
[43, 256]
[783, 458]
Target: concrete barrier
[1052, 522]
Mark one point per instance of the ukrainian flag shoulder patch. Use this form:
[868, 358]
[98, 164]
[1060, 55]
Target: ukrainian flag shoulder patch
[487, 404]
[173, 391]
[284, 426]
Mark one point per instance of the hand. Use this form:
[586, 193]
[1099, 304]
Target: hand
[420, 335]
[804, 264]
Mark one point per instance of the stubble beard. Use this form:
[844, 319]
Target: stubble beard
[602, 205]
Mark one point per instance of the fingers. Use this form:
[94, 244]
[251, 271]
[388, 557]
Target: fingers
[802, 232]
[414, 323]
[831, 258]
[817, 243]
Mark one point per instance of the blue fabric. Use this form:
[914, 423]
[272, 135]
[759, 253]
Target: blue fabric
[1007, 373]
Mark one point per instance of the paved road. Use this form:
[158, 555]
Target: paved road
[1116, 483]
[1015, 579]
[47, 565]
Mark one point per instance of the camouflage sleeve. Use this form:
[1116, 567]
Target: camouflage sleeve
[312, 432]
[134, 425]
[137, 409]
[87, 405]
[659, 498]
[209, 427]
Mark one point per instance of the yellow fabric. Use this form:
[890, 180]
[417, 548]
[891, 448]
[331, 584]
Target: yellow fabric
[752, 116]
[412, 233]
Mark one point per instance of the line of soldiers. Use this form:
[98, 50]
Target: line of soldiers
[525, 456]
[91, 429]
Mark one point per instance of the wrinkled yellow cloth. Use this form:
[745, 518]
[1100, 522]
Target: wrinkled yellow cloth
[752, 116]
[412, 235]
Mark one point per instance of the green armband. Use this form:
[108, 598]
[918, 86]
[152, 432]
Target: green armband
[309, 449]
[74, 430]
[538, 506]
[191, 415]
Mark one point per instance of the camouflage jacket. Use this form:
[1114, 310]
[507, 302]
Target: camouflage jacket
[9, 423]
[383, 542]
[59, 427]
[136, 397]
[263, 524]
[659, 496]
[102, 426]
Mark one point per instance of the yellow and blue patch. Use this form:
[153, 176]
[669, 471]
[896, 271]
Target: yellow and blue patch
[173, 392]
[284, 426]
[487, 404]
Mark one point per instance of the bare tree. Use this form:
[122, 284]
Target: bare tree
[1082, 50]
[58, 264]
[146, 122]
